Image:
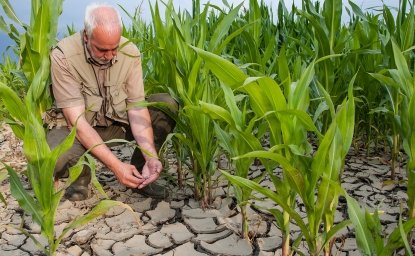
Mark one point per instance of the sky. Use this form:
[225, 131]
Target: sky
[73, 11]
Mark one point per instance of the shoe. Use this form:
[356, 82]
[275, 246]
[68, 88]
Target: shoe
[154, 191]
[76, 193]
[78, 190]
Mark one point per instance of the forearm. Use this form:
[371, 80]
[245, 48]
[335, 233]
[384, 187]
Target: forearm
[142, 131]
[90, 139]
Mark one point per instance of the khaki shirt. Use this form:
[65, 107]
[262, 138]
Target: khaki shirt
[67, 89]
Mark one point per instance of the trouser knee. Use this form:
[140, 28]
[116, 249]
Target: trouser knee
[68, 159]
[163, 123]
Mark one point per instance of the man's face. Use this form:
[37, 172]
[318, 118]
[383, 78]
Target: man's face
[101, 46]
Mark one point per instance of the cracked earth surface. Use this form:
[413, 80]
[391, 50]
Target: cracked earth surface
[178, 226]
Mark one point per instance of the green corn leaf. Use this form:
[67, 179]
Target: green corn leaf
[222, 28]
[56, 8]
[14, 105]
[346, 120]
[403, 70]
[328, 100]
[216, 112]
[39, 84]
[94, 179]
[364, 238]
[319, 165]
[304, 118]
[284, 70]
[321, 108]
[385, 80]
[298, 98]
[3, 25]
[295, 177]
[75, 170]
[37, 152]
[404, 237]
[279, 218]
[407, 39]
[255, 18]
[395, 238]
[226, 71]
[224, 139]
[41, 29]
[3, 199]
[26, 201]
[229, 38]
[100, 209]
[332, 12]
[193, 84]
[357, 11]
[8, 9]
[321, 33]
[389, 19]
[334, 230]
[231, 102]
[30, 59]
[265, 93]
[49, 164]
[274, 197]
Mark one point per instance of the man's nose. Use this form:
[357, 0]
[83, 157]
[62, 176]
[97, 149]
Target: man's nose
[110, 54]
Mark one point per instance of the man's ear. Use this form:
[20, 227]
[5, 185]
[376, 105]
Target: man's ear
[85, 37]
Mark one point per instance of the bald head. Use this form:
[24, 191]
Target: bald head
[103, 17]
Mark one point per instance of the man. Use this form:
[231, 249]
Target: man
[96, 81]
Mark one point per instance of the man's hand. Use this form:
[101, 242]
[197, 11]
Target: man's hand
[151, 171]
[128, 175]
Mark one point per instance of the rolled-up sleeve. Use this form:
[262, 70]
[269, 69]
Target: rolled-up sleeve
[66, 89]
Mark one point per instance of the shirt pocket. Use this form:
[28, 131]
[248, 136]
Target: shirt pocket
[93, 102]
[119, 102]
[90, 89]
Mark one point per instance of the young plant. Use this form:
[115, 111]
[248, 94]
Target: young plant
[402, 80]
[235, 133]
[368, 229]
[43, 204]
[317, 186]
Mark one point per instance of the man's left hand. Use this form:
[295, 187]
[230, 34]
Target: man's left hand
[151, 171]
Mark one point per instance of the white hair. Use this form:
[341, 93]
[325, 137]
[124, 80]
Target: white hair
[94, 18]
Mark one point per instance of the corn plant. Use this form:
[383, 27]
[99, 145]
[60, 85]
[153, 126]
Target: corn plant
[33, 45]
[369, 237]
[402, 80]
[363, 56]
[43, 204]
[397, 32]
[318, 186]
[234, 130]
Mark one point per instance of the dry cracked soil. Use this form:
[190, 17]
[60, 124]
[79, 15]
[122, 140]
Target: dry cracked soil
[177, 225]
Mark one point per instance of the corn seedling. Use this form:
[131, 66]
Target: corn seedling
[317, 186]
[369, 236]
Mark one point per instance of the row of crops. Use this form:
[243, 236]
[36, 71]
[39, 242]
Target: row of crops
[299, 78]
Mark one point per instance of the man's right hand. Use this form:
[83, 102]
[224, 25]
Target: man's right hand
[128, 175]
